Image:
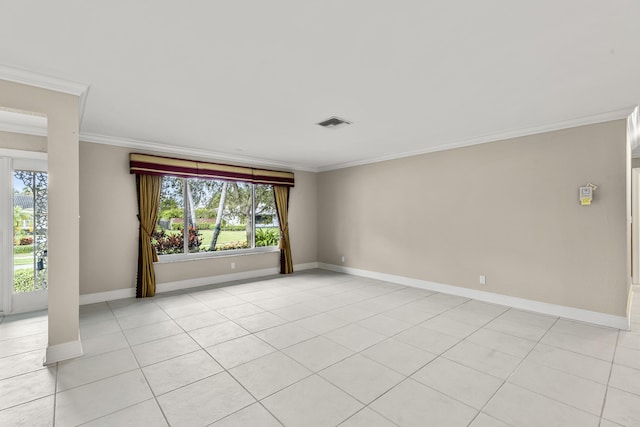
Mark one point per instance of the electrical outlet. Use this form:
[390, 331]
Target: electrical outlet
[483, 279]
[342, 258]
[233, 265]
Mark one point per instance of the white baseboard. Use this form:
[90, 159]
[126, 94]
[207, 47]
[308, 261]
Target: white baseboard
[603, 319]
[307, 266]
[107, 296]
[190, 283]
[64, 351]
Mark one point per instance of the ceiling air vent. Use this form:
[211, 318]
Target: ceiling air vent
[334, 123]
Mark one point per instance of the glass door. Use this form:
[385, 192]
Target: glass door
[27, 232]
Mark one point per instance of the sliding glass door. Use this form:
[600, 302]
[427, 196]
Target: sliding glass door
[24, 260]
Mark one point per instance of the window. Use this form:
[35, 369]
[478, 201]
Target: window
[218, 216]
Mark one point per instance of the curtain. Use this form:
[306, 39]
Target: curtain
[148, 189]
[281, 194]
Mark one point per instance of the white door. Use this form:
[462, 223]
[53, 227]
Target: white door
[24, 233]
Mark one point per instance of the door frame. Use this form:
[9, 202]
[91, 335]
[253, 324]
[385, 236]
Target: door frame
[11, 303]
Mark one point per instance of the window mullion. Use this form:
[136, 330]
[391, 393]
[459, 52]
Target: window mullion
[185, 216]
[253, 215]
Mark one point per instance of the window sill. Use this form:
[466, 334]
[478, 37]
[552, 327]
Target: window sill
[167, 259]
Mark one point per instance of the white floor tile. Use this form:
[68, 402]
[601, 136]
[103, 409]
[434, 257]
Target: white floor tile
[268, 374]
[296, 312]
[573, 363]
[459, 382]
[240, 350]
[522, 324]
[240, 310]
[253, 415]
[449, 326]
[143, 414]
[27, 387]
[519, 407]
[556, 382]
[180, 371]
[205, 401]
[566, 388]
[163, 349]
[483, 359]
[622, 407]
[285, 335]
[187, 310]
[413, 404]
[37, 413]
[367, 418]
[351, 313]
[10, 347]
[504, 343]
[321, 323]
[387, 326]
[19, 364]
[484, 420]
[215, 334]
[103, 344]
[312, 402]
[409, 314]
[91, 401]
[583, 330]
[401, 357]
[362, 378]
[138, 320]
[77, 372]
[200, 320]
[427, 339]
[628, 357]
[152, 332]
[625, 378]
[598, 349]
[355, 337]
[317, 353]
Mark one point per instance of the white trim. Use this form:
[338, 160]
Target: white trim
[107, 296]
[59, 352]
[23, 123]
[306, 266]
[29, 78]
[582, 315]
[498, 136]
[22, 154]
[184, 151]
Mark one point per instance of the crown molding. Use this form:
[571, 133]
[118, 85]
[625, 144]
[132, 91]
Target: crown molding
[44, 81]
[499, 136]
[28, 129]
[184, 151]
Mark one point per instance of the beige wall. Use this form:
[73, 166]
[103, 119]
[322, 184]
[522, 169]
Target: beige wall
[508, 210]
[635, 163]
[109, 228]
[19, 141]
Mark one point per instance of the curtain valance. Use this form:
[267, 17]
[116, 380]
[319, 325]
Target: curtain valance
[144, 164]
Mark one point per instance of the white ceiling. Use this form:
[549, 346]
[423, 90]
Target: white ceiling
[249, 79]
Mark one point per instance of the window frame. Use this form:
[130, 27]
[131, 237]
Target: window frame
[186, 255]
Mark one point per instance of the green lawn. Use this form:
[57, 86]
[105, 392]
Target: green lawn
[23, 259]
[223, 237]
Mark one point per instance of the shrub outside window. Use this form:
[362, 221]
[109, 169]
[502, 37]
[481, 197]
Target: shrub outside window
[218, 216]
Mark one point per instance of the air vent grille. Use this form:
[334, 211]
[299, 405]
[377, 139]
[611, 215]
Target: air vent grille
[334, 123]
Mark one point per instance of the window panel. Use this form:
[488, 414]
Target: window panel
[219, 216]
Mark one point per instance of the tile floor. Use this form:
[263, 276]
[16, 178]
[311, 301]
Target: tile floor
[320, 349]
